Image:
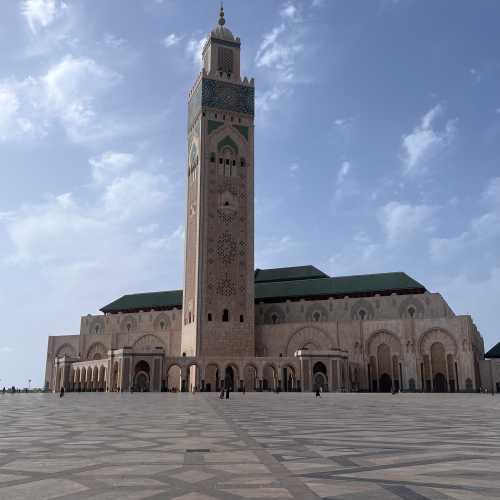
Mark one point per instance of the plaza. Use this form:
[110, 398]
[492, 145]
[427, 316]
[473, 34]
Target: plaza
[260, 445]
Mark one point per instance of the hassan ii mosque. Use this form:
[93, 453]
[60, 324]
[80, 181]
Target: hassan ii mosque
[289, 328]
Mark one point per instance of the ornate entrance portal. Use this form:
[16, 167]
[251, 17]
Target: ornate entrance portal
[141, 378]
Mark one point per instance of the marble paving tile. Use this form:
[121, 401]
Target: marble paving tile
[184, 447]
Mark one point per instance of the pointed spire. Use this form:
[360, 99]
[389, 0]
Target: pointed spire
[222, 21]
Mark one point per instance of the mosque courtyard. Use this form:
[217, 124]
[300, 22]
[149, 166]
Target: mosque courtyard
[259, 445]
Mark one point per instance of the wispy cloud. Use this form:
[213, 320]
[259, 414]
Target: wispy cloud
[403, 221]
[343, 172]
[278, 54]
[426, 140]
[41, 13]
[194, 48]
[171, 40]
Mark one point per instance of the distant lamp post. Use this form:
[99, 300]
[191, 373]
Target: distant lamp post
[29, 384]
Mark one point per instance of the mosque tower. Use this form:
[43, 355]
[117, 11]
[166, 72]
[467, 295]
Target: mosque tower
[218, 302]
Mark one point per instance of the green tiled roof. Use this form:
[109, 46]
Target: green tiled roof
[288, 274]
[145, 301]
[288, 283]
[362, 285]
[494, 352]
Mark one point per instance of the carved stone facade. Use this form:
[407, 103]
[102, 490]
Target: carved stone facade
[220, 332]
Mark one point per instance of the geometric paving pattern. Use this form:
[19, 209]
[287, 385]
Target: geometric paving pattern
[259, 445]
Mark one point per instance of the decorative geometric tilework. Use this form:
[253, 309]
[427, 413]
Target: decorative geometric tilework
[226, 248]
[227, 96]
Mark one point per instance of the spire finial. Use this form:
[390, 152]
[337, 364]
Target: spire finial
[222, 21]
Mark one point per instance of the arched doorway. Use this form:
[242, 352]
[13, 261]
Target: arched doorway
[141, 377]
[289, 380]
[230, 378]
[440, 384]
[174, 382]
[385, 383]
[439, 367]
[320, 377]
[269, 378]
[212, 382]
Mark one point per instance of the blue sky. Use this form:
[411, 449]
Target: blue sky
[377, 149]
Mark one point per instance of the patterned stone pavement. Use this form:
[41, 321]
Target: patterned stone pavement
[196, 447]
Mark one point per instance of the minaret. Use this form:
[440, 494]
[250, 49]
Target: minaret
[218, 304]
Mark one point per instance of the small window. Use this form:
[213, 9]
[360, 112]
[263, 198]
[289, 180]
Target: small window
[215, 115]
[275, 319]
[225, 315]
[362, 314]
[227, 162]
[129, 326]
[239, 120]
[209, 316]
[212, 157]
[232, 119]
[162, 325]
[242, 162]
[220, 161]
[97, 329]
[241, 318]
[204, 114]
[234, 163]
[223, 117]
[316, 316]
[411, 312]
[189, 318]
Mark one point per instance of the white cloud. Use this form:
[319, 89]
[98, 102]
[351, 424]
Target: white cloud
[402, 221]
[171, 40]
[289, 11]
[72, 237]
[264, 101]
[343, 172]
[12, 121]
[278, 56]
[109, 165]
[194, 50]
[135, 194]
[5, 349]
[41, 13]
[317, 3]
[294, 167]
[66, 94]
[425, 140]
[278, 53]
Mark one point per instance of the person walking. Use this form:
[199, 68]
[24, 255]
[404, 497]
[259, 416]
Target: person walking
[221, 395]
[228, 389]
[61, 394]
[318, 392]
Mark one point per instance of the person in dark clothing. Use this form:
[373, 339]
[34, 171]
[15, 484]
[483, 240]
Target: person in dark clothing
[228, 389]
[62, 392]
[318, 392]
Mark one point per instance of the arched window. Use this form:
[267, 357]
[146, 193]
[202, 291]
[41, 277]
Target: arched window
[225, 315]
[275, 318]
[162, 325]
[209, 316]
[411, 311]
[316, 316]
[241, 318]
[362, 314]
